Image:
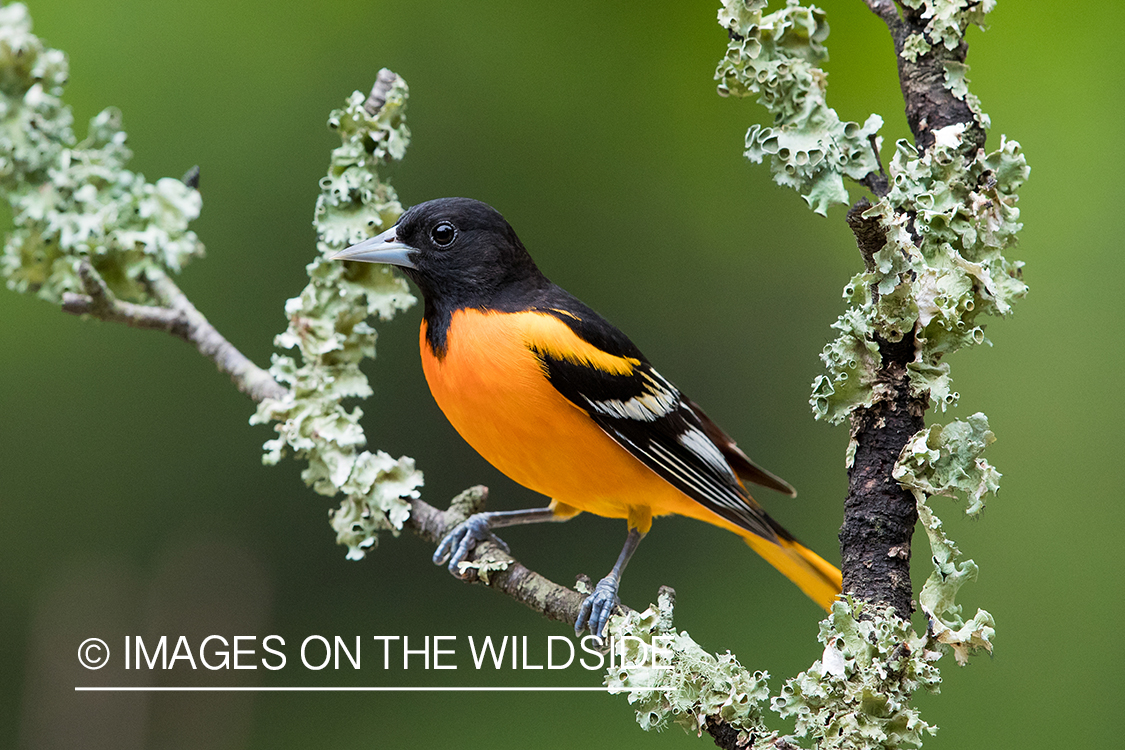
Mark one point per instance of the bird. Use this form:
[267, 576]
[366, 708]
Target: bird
[563, 402]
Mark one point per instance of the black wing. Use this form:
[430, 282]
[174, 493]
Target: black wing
[645, 414]
[747, 470]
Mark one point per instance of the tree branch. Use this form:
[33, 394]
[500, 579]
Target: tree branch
[177, 316]
[879, 515]
[930, 105]
[99, 302]
[886, 10]
[553, 601]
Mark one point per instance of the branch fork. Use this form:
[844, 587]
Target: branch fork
[175, 315]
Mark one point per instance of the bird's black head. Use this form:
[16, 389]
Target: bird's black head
[460, 252]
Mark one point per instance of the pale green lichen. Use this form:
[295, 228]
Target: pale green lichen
[948, 217]
[484, 566]
[962, 210]
[947, 461]
[957, 81]
[73, 200]
[853, 361]
[948, 20]
[775, 57]
[914, 47]
[857, 695]
[328, 328]
[682, 684]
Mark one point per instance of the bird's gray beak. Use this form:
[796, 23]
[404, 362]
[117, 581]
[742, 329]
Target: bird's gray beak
[382, 248]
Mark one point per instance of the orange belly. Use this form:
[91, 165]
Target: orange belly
[494, 391]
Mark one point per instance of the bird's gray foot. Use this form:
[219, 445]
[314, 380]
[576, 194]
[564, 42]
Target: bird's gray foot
[598, 606]
[461, 540]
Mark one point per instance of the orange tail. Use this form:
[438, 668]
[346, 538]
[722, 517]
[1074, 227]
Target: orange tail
[813, 574]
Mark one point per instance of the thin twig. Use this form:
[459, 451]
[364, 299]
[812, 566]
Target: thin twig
[99, 302]
[378, 96]
[876, 183]
[177, 316]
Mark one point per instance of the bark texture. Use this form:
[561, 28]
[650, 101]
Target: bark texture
[552, 600]
[879, 515]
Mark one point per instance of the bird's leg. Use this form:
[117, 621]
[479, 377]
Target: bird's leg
[462, 538]
[599, 605]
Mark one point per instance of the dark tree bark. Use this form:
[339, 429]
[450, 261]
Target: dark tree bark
[879, 516]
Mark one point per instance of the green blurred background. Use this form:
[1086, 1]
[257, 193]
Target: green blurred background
[134, 500]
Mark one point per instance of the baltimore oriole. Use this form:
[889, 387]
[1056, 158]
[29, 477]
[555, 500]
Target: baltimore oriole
[562, 402]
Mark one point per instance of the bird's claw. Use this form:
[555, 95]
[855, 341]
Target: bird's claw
[460, 541]
[598, 607]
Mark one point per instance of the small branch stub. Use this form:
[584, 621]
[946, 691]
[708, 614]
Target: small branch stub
[384, 82]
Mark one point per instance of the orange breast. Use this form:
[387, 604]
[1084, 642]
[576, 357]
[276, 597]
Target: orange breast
[494, 391]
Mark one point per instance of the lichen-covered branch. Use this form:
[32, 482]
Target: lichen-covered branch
[933, 245]
[930, 49]
[89, 234]
[879, 514]
[933, 249]
[328, 329]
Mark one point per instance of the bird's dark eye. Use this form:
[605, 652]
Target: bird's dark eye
[443, 234]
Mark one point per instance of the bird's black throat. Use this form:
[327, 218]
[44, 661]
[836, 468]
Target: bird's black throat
[530, 291]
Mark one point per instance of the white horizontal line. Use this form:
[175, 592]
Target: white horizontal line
[347, 689]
